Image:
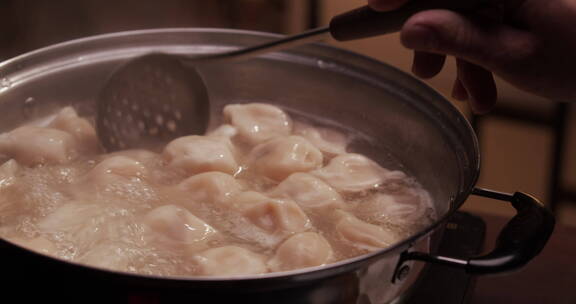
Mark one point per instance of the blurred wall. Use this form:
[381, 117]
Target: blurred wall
[30, 24]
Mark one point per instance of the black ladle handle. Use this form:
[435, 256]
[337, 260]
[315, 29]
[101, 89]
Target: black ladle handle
[519, 241]
[365, 22]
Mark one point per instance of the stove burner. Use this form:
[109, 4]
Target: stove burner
[463, 237]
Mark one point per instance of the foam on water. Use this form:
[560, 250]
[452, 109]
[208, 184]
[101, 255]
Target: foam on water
[100, 221]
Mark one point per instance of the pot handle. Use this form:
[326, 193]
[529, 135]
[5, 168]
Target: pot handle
[519, 241]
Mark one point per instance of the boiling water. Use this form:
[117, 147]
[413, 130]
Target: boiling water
[57, 209]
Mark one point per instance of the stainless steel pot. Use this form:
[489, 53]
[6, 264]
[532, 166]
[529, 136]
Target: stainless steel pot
[398, 117]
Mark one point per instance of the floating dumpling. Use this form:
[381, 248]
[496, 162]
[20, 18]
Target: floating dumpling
[309, 192]
[302, 250]
[226, 131]
[67, 120]
[136, 154]
[178, 226]
[229, 260]
[363, 235]
[209, 187]
[272, 215]
[8, 173]
[405, 209]
[108, 255]
[31, 146]
[352, 173]
[277, 158]
[257, 122]
[117, 166]
[328, 141]
[197, 154]
[76, 222]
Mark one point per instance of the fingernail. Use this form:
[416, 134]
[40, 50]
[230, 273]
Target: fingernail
[419, 37]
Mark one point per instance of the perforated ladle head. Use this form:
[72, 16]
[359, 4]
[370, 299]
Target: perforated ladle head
[149, 101]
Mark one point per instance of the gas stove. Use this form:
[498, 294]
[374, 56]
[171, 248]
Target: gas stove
[463, 237]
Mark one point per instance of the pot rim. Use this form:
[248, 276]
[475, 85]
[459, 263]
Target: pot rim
[324, 270]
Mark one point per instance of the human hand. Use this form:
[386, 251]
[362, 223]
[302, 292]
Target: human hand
[529, 43]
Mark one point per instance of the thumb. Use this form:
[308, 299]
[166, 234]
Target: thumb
[447, 32]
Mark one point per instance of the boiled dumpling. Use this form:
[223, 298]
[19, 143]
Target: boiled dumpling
[363, 235]
[197, 154]
[226, 131]
[108, 255]
[8, 173]
[280, 157]
[328, 141]
[406, 209]
[258, 122]
[80, 223]
[229, 260]
[67, 120]
[139, 155]
[352, 172]
[309, 192]
[302, 250]
[117, 166]
[175, 225]
[116, 178]
[210, 187]
[272, 215]
[32, 146]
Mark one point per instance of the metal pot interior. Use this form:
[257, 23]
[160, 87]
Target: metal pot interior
[399, 121]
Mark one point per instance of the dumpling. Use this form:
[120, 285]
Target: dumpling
[277, 158]
[352, 173]
[108, 255]
[258, 122]
[272, 215]
[406, 210]
[225, 130]
[175, 225]
[67, 120]
[117, 178]
[197, 154]
[210, 187]
[136, 154]
[80, 223]
[309, 192]
[8, 173]
[33, 146]
[302, 250]
[329, 141]
[229, 260]
[117, 166]
[363, 235]
[9, 196]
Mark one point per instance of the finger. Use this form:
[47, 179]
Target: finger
[446, 32]
[386, 5]
[479, 84]
[427, 65]
[458, 91]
